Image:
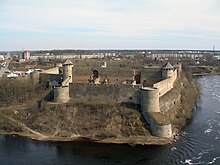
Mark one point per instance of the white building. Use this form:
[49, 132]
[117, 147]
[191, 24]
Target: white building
[12, 75]
[217, 57]
[2, 57]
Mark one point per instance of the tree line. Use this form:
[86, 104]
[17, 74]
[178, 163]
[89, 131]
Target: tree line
[15, 91]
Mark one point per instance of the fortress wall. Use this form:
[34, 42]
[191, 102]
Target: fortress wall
[161, 130]
[61, 94]
[116, 72]
[151, 75]
[164, 130]
[147, 97]
[82, 74]
[159, 126]
[169, 101]
[46, 78]
[110, 93]
[166, 85]
[112, 72]
[59, 65]
[152, 107]
[52, 71]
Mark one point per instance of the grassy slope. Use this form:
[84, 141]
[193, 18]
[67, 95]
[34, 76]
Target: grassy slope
[96, 121]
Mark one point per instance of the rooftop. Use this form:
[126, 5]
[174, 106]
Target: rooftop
[176, 65]
[168, 66]
[68, 62]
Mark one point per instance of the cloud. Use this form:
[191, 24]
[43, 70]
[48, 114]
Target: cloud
[140, 20]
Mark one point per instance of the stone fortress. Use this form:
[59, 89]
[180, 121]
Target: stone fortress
[142, 87]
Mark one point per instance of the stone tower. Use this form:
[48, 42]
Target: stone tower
[67, 71]
[167, 71]
[178, 67]
[61, 94]
[149, 100]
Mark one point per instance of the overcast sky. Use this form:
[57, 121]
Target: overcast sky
[109, 24]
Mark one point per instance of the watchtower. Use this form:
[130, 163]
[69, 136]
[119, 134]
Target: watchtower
[67, 71]
[167, 71]
[61, 94]
[178, 67]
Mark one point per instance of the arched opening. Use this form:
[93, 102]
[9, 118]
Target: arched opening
[95, 74]
[137, 78]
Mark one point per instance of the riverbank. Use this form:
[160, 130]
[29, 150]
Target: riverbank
[48, 129]
[99, 122]
[206, 74]
[198, 145]
[198, 70]
[138, 140]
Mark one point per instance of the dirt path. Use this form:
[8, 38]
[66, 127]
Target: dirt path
[24, 127]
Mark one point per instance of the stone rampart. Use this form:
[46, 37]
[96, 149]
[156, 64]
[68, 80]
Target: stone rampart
[161, 130]
[150, 75]
[109, 93]
[159, 126]
[151, 109]
[169, 101]
[61, 94]
[166, 85]
[47, 78]
[147, 97]
[54, 70]
[114, 75]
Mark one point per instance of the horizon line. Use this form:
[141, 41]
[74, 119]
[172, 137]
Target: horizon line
[99, 49]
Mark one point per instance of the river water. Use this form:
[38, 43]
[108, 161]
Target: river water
[199, 145]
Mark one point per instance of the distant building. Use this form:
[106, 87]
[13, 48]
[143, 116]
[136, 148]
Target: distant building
[2, 57]
[24, 56]
[12, 75]
[217, 56]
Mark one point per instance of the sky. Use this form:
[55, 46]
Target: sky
[109, 24]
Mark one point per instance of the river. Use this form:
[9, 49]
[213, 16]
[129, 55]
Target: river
[199, 145]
